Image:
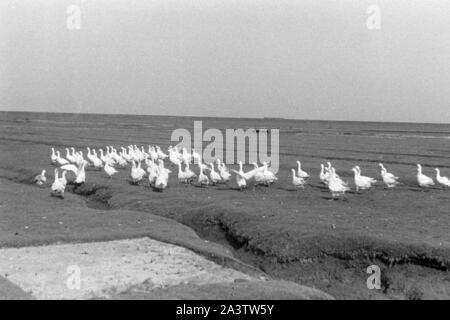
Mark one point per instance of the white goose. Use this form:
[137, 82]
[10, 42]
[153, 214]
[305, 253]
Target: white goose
[300, 172]
[70, 157]
[213, 175]
[81, 174]
[259, 176]
[423, 180]
[70, 167]
[203, 179]
[362, 182]
[163, 176]
[59, 160]
[269, 176]
[137, 174]
[58, 185]
[110, 171]
[40, 178]
[182, 176]
[388, 178]
[324, 176]
[240, 177]
[298, 182]
[53, 156]
[336, 185]
[153, 173]
[445, 181]
[223, 170]
[96, 161]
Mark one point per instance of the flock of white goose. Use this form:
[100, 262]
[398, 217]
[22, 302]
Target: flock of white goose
[158, 175]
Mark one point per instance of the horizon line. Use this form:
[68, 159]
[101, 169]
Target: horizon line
[225, 117]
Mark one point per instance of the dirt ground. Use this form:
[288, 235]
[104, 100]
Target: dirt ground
[291, 235]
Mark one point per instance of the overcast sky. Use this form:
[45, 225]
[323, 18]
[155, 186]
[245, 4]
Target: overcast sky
[305, 59]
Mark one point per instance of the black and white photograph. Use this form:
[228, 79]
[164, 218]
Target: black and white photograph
[226, 155]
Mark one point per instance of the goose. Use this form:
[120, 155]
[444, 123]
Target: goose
[63, 178]
[53, 156]
[423, 180]
[174, 156]
[186, 156]
[196, 156]
[182, 176]
[189, 173]
[362, 182]
[160, 153]
[300, 172]
[106, 158]
[388, 178]
[298, 182]
[324, 176]
[259, 175]
[96, 161]
[163, 176]
[223, 170]
[161, 181]
[137, 173]
[249, 174]
[213, 175]
[269, 176]
[40, 178]
[70, 167]
[81, 174]
[240, 177]
[153, 172]
[445, 181]
[110, 171]
[59, 160]
[58, 186]
[202, 178]
[153, 154]
[70, 157]
[336, 185]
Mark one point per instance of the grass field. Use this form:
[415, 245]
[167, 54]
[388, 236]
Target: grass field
[291, 235]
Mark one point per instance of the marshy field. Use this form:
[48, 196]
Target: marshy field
[269, 242]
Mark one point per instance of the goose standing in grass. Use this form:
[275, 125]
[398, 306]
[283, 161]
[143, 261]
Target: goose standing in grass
[423, 180]
[362, 182]
[269, 176]
[53, 157]
[81, 174]
[443, 180]
[213, 175]
[324, 176]
[136, 174]
[40, 178]
[110, 171]
[69, 156]
[240, 177]
[96, 161]
[259, 175]
[298, 182]
[174, 156]
[388, 178]
[153, 173]
[58, 186]
[300, 172]
[223, 170]
[163, 176]
[203, 179]
[59, 160]
[336, 185]
[182, 175]
[189, 173]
